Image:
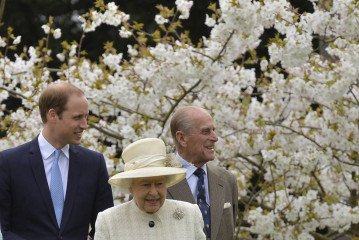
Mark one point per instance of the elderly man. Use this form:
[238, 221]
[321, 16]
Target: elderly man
[212, 187]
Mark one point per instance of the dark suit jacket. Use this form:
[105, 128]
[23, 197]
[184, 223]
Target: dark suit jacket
[223, 192]
[26, 209]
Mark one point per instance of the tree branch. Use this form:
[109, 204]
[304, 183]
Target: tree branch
[13, 93]
[318, 182]
[250, 161]
[292, 130]
[108, 133]
[224, 47]
[132, 111]
[173, 107]
[2, 9]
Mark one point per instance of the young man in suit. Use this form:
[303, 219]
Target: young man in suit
[212, 187]
[51, 188]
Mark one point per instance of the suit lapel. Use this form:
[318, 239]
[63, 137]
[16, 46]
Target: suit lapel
[181, 191]
[216, 192]
[40, 177]
[72, 184]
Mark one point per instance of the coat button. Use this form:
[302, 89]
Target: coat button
[151, 224]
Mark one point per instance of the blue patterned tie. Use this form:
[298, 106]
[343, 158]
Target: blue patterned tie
[201, 201]
[57, 191]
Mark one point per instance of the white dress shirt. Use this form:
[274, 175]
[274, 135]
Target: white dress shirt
[193, 179]
[48, 157]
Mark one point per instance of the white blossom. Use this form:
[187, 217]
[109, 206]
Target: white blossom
[2, 42]
[264, 64]
[57, 33]
[46, 28]
[124, 33]
[184, 7]
[17, 40]
[132, 51]
[60, 56]
[73, 50]
[160, 20]
[112, 60]
[210, 22]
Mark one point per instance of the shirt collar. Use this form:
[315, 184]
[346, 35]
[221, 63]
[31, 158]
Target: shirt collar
[47, 149]
[189, 166]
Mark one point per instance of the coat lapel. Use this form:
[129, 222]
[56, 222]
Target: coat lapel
[181, 191]
[216, 191]
[72, 184]
[40, 177]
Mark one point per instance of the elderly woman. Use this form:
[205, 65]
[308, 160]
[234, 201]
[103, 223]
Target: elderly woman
[149, 215]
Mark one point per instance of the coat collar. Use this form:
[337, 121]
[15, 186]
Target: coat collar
[37, 165]
[216, 191]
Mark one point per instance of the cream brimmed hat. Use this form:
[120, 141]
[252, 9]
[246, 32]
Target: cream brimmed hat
[147, 158]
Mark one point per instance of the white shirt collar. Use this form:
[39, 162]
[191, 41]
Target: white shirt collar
[47, 149]
[189, 166]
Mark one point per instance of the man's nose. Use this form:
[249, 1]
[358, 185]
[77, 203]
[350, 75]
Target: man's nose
[83, 123]
[214, 136]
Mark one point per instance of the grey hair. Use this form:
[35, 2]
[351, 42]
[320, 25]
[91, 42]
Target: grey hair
[182, 121]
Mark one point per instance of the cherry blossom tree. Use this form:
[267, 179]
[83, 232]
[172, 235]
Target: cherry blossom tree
[287, 121]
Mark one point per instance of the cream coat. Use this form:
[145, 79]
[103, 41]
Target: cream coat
[127, 221]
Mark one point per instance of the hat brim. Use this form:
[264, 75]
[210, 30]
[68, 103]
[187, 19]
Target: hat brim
[124, 179]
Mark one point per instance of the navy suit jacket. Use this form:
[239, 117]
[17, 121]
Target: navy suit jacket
[26, 209]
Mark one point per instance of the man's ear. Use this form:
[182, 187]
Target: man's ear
[181, 138]
[51, 115]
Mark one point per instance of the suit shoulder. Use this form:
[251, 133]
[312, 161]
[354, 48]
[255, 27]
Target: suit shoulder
[221, 172]
[83, 150]
[219, 169]
[18, 149]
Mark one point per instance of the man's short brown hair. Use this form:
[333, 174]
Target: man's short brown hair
[56, 97]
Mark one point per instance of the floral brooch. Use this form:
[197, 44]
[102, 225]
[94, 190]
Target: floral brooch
[178, 214]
